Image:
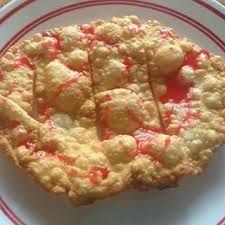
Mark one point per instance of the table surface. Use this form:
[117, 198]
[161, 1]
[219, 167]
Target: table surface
[3, 2]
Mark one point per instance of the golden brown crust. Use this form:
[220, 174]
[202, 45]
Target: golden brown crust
[90, 126]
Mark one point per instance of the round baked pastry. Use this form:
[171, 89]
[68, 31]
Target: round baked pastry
[94, 109]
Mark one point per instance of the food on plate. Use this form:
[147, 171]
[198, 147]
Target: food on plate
[91, 110]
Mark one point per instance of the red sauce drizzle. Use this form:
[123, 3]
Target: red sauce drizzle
[1, 76]
[66, 159]
[44, 108]
[87, 29]
[191, 58]
[167, 117]
[175, 90]
[147, 137]
[105, 131]
[13, 124]
[97, 171]
[50, 148]
[61, 88]
[23, 61]
[54, 46]
[128, 63]
[80, 69]
[108, 97]
[167, 142]
[27, 141]
[187, 119]
[165, 34]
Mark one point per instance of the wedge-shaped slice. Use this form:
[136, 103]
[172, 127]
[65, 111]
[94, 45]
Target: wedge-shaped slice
[188, 83]
[120, 80]
[57, 160]
[63, 86]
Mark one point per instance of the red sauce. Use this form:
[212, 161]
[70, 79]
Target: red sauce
[167, 142]
[97, 171]
[167, 117]
[192, 58]
[44, 108]
[1, 76]
[105, 131]
[23, 61]
[175, 90]
[80, 69]
[27, 141]
[50, 148]
[144, 141]
[73, 172]
[188, 118]
[87, 29]
[54, 46]
[165, 34]
[61, 88]
[128, 64]
[108, 97]
[13, 124]
[66, 159]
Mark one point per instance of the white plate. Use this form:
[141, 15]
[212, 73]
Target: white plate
[198, 201]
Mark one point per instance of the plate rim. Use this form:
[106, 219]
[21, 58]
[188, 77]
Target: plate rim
[13, 7]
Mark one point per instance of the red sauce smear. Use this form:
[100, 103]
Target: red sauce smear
[87, 29]
[23, 61]
[27, 141]
[13, 124]
[167, 142]
[1, 76]
[144, 140]
[192, 58]
[54, 46]
[61, 88]
[44, 109]
[165, 34]
[175, 90]
[128, 64]
[66, 159]
[187, 119]
[80, 69]
[108, 97]
[105, 131]
[97, 171]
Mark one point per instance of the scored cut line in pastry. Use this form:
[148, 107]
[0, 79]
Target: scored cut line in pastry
[94, 109]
